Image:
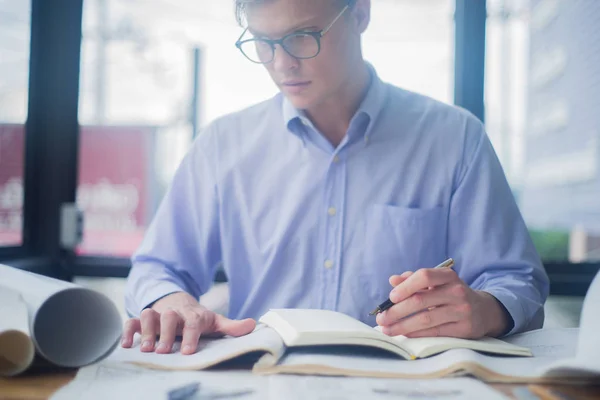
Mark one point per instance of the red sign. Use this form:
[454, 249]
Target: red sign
[12, 154]
[114, 188]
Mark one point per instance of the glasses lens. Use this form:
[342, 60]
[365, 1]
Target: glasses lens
[301, 45]
[257, 50]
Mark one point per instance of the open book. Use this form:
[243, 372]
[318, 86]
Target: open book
[284, 331]
[301, 328]
[314, 342]
[559, 355]
[66, 325]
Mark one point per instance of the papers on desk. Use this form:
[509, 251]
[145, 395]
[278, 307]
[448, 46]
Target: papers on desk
[114, 381]
[560, 355]
[457, 362]
[586, 362]
[65, 324]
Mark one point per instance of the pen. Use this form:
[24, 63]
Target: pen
[184, 392]
[388, 303]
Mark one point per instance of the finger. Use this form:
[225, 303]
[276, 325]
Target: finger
[452, 329]
[195, 323]
[170, 320]
[150, 324]
[132, 326]
[423, 279]
[230, 327]
[395, 280]
[427, 299]
[423, 320]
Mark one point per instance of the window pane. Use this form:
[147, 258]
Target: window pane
[542, 95]
[139, 107]
[411, 44]
[14, 77]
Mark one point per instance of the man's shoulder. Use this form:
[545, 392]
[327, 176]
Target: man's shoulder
[403, 101]
[443, 124]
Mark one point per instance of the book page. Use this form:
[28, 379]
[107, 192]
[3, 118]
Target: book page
[210, 351]
[425, 347]
[428, 346]
[458, 362]
[299, 326]
[16, 347]
[112, 381]
[586, 361]
[587, 348]
[310, 327]
[328, 388]
[555, 342]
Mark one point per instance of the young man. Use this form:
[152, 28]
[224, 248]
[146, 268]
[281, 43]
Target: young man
[337, 193]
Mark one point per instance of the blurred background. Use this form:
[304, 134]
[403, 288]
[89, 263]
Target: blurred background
[100, 100]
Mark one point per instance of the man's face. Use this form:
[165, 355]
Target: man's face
[307, 82]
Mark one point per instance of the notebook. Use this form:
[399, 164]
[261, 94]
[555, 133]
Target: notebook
[302, 327]
[280, 331]
[560, 355]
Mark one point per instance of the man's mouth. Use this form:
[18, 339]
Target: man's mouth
[295, 86]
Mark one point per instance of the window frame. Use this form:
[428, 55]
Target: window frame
[52, 141]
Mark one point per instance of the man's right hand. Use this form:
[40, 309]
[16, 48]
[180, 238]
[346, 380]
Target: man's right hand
[179, 314]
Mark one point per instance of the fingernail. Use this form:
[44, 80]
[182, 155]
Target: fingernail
[146, 344]
[162, 346]
[187, 348]
[124, 342]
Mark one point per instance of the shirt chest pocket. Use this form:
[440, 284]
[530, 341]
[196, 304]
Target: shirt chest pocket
[399, 239]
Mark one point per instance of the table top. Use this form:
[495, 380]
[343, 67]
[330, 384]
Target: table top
[41, 385]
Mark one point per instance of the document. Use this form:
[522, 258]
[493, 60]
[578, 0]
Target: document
[108, 380]
[65, 324]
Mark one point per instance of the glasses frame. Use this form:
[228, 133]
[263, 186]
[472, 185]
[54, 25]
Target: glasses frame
[272, 42]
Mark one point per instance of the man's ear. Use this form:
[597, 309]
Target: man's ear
[361, 13]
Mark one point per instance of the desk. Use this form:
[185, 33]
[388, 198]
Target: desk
[41, 386]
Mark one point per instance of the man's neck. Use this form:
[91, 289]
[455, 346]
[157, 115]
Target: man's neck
[332, 118]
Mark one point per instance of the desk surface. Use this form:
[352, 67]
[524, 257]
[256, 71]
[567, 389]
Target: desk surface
[43, 385]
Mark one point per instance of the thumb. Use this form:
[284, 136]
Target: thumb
[232, 327]
[395, 280]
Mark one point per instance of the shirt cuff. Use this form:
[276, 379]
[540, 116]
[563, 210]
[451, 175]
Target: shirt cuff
[150, 295]
[514, 307]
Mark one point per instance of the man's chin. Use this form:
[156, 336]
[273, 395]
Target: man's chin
[300, 102]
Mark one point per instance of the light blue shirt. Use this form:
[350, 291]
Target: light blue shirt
[296, 222]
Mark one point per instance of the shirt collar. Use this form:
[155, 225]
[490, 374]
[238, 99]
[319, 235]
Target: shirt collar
[366, 115]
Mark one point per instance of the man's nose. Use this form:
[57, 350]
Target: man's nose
[283, 61]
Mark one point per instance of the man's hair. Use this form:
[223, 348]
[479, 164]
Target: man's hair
[242, 5]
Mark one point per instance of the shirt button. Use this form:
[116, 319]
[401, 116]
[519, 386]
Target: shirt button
[336, 159]
[332, 211]
[367, 139]
[328, 264]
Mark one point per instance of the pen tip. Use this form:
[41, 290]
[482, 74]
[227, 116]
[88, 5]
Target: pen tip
[375, 311]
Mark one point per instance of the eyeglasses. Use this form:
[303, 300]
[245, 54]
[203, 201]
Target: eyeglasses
[300, 45]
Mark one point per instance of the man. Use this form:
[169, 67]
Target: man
[337, 193]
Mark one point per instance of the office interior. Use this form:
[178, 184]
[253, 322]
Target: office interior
[100, 100]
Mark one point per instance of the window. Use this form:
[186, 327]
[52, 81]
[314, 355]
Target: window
[14, 76]
[543, 90]
[411, 44]
[154, 72]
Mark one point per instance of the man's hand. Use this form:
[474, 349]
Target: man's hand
[436, 302]
[180, 314]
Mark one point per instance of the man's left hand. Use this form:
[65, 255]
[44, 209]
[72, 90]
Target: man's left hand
[436, 302]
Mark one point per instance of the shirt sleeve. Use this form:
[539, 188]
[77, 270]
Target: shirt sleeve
[181, 247]
[488, 238]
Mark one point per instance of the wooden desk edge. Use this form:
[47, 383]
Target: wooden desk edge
[43, 385]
